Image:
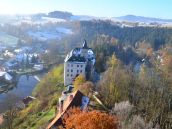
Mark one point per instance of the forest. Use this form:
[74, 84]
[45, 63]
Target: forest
[156, 36]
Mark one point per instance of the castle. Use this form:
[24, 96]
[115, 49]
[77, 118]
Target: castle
[79, 61]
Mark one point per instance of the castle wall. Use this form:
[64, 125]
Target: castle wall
[71, 70]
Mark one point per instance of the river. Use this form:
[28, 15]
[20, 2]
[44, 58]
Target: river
[24, 88]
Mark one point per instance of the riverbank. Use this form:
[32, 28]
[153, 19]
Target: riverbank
[29, 72]
[6, 88]
[23, 88]
[42, 110]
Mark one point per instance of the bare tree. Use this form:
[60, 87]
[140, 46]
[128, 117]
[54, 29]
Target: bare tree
[11, 112]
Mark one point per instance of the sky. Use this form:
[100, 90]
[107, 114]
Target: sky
[100, 8]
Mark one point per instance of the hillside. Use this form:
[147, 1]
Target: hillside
[134, 64]
[134, 94]
[155, 36]
[60, 14]
[40, 111]
[133, 18]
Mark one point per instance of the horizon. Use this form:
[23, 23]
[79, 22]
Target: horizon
[97, 8]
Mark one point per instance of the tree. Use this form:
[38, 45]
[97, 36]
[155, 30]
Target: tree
[79, 81]
[113, 62]
[27, 60]
[114, 41]
[46, 59]
[149, 52]
[33, 59]
[77, 119]
[167, 63]
[113, 86]
[11, 113]
[143, 72]
[86, 88]
[152, 97]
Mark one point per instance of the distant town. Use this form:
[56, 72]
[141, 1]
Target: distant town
[16, 61]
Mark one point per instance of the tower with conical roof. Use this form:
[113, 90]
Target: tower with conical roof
[84, 46]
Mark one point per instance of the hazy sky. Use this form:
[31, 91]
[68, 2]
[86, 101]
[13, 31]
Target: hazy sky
[108, 8]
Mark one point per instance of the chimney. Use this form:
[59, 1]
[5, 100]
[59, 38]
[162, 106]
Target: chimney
[61, 106]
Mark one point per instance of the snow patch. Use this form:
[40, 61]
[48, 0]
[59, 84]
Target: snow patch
[44, 35]
[64, 30]
[49, 19]
[58, 34]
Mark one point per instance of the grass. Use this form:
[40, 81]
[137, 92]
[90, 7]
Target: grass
[44, 118]
[42, 110]
[36, 120]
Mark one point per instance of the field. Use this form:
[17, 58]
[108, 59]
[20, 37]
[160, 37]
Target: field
[50, 35]
[8, 40]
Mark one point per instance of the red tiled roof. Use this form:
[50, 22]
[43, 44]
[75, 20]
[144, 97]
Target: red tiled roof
[76, 101]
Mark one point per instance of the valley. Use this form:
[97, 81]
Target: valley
[123, 69]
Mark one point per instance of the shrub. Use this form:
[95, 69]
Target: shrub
[76, 119]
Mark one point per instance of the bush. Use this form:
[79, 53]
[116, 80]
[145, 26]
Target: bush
[76, 119]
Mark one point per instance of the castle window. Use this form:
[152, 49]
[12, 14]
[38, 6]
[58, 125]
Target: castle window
[68, 70]
[81, 71]
[71, 70]
[81, 66]
[71, 75]
[77, 65]
[77, 71]
[67, 75]
[72, 65]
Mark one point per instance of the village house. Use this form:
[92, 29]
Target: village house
[25, 102]
[5, 77]
[79, 61]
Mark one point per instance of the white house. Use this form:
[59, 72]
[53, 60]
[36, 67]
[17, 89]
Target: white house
[38, 67]
[4, 76]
